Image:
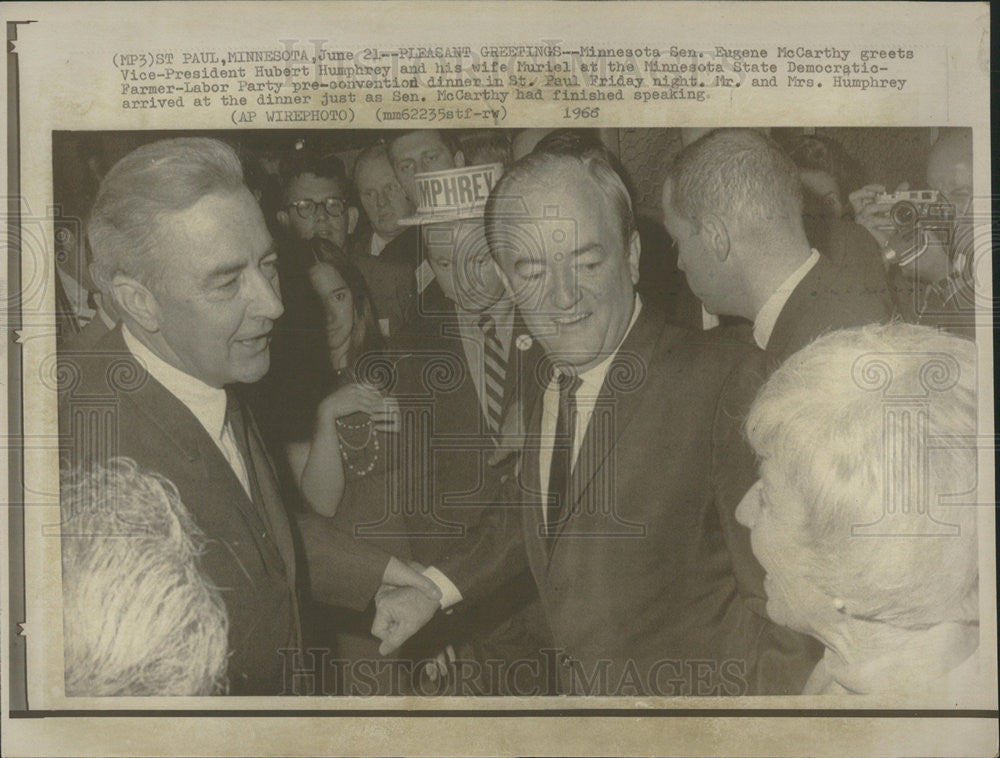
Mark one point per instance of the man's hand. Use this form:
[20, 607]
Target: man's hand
[398, 574]
[400, 612]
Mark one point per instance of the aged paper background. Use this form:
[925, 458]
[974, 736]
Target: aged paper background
[69, 78]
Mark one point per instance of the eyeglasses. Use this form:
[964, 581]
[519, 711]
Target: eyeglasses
[333, 206]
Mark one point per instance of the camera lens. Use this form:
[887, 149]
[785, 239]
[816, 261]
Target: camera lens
[903, 214]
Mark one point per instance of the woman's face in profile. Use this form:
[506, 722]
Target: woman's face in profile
[338, 303]
[771, 514]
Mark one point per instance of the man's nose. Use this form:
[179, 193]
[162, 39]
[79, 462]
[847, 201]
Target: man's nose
[266, 298]
[564, 289]
[746, 511]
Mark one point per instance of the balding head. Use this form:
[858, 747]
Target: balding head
[740, 175]
[949, 167]
[732, 202]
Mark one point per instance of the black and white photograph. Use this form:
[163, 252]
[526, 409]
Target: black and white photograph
[342, 392]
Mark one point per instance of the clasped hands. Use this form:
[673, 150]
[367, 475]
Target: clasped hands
[404, 603]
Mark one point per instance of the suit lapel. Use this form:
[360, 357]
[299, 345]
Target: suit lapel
[619, 400]
[789, 319]
[162, 410]
[530, 478]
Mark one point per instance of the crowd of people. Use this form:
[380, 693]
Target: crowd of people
[465, 421]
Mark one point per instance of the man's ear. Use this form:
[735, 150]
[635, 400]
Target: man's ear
[283, 218]
[716, 236]
[634, 254]
[134, 299]
[459, 158]
[352, 219]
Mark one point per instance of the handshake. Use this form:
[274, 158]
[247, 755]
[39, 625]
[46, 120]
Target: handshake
[404, 603]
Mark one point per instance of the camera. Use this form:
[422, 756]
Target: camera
[911, 216]
[908, 209]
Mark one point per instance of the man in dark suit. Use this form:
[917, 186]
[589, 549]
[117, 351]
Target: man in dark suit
[467, 362]
[733, 203]
[392, 282]
[192, 271]
[631, 471]
[412, 152]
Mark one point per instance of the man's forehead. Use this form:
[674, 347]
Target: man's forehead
[417, 141]
[217, 227]
[448, 234]
[374, 170]
[310, 184]
[569, 198]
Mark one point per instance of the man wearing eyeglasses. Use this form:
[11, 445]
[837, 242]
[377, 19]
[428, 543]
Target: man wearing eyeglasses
[315, 199]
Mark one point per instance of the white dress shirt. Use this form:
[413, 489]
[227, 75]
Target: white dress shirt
[207, 403]
[586, 398]
[77, 297]
[767, 316]
[378, 244]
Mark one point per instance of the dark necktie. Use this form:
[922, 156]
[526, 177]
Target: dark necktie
[494, 373]
[238, 424]
[561, 469]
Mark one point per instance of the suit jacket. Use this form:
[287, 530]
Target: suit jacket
[391, 282]
[404, 248]
[831, 296]
[457, 482]
[650, 577]
[111, 407]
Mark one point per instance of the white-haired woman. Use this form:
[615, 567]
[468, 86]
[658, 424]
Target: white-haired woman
[864, 516]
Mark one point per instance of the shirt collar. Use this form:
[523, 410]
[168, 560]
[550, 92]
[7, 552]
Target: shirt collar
[592, 379]
[207, 403]
[378, 244]
[74, 292]
[767, 316]
[502, 312]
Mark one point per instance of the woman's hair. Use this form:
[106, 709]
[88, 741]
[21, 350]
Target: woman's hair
[140, 616]
[873, 431]
[366, 338]
[814, 153]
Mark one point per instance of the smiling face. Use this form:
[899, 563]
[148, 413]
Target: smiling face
[218, 294]
[771, 511]
[463, 267]
[569, 270]
[382, 196]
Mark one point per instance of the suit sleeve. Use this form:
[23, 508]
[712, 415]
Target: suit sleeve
[493, 553]
[780, 659]
[339, 569]
[734, 471]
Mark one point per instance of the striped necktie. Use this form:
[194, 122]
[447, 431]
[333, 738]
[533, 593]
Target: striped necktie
[494, 372]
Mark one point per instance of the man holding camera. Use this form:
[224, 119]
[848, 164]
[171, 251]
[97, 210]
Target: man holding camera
[927, 236]
[733, 203]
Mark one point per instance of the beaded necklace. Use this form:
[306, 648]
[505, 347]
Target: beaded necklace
[347, 448]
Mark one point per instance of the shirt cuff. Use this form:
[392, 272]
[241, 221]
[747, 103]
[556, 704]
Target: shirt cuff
[449, 592]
